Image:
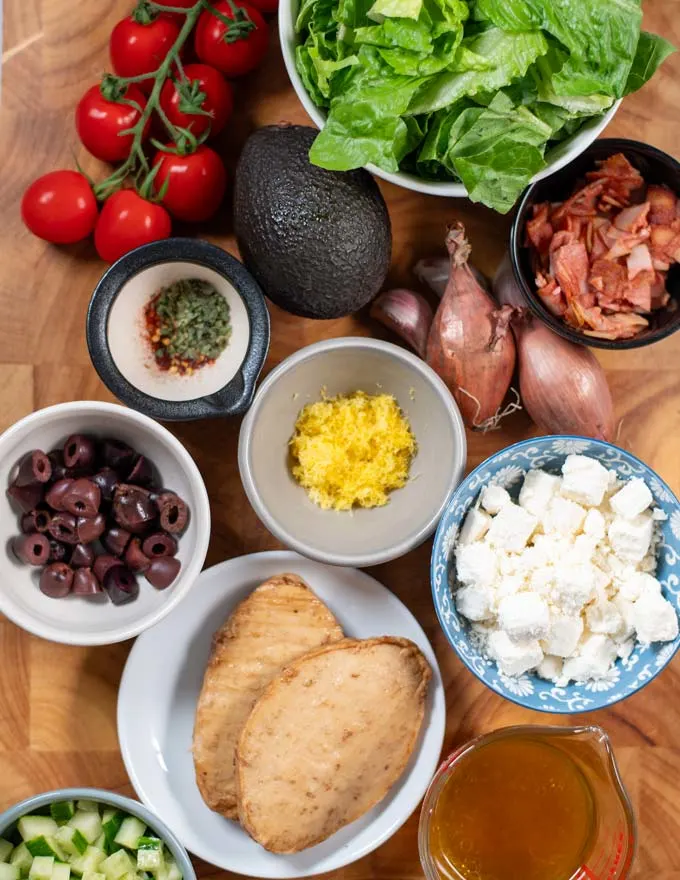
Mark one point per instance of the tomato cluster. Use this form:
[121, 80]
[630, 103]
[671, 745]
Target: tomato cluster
[156, 87]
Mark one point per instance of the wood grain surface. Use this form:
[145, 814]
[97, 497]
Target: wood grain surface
[58, 715]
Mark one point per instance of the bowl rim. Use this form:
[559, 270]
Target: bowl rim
[15, 812]
[62, 634]
[591, 130]
[515, 246]
[436, 547]
[356, 560]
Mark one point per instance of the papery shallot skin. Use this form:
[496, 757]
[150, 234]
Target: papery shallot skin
[470, 345]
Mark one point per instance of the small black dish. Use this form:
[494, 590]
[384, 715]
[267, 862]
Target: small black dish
[656, 167]
[114, 331]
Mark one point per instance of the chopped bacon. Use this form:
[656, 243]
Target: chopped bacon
[571, 265]
[663, 205]
[581, 204]
[639, 260]
[660, 295]
[618, 176]
[632, 219]
[553, 298]
[539, 230]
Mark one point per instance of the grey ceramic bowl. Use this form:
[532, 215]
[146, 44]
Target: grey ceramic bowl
[40, 801]
[361, 537]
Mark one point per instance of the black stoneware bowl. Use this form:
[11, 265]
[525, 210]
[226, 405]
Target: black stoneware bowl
[656, 167]
[121, 355]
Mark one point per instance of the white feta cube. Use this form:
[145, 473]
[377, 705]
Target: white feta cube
[550, 668]
[476, 564]
[563, 516]
[574, 586]
[594, 524]
[632, 500]
[584, 547]
[626, 609]
[508, 585]
[511, 528]
[659, 515]
[602, 616]
[636, 584]
[524, 616]
[513, 658]
[564, 633]
[584, 480]
[537, 490]
[474, 603]
[474, 527]
[542, 580]
[654, 619]
[494, 497]
[630, 538]
[595, 658]
[625, 649]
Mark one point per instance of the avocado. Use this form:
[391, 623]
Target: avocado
[318, 242]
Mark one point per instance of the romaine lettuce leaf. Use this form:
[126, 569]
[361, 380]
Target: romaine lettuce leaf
[652, 51]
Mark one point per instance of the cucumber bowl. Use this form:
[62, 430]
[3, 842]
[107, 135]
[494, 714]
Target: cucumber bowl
[88, 834]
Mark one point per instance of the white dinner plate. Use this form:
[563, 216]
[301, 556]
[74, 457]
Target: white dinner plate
[160, 688]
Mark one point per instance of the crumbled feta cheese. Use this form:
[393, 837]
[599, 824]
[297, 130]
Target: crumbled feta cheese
[630, 538]
[494, 498]
[476, 564]
[625, 649]
[632, 500]
[597, 653]
[509, 585]
[563, 516]
[563, 635]
[542, 580]
[574, 586]
[654, 619]
[550, 668]
[475, 526]
[659, 515]
[584, 480]
[511, 528]
[594, 524]
[524, 616]
[602, 616]
[513, 658]
[584, 547]
[638, 583]
[475, 603]
[537, 490]
[625, 609]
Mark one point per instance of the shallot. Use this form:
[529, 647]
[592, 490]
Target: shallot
[562, 385]
[470, 345]
[434, 271]
[406, 313]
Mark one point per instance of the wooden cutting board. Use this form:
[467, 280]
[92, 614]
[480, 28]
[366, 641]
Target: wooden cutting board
[58, 704]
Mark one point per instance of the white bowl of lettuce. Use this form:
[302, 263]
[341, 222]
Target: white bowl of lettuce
[462, 98]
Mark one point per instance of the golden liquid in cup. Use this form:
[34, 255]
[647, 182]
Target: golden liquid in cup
[517, 808]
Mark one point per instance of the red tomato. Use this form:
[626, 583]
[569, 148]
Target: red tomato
[196, 183]
[179, 4]
[60, 207]
[140, 48]
[266, 7]
[99, 122]
[179, 96]
[128, 221]
[244, 53]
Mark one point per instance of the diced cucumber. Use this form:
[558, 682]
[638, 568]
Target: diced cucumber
[5, 849]
[46, 846]
[70, 840]
[89, 825]
[150, 843]
[111, 826]
[31, 827]
[42, 867]
[173, 871]
[93, 875]
[100, 842]
[88, 806]
[109, 813]
[22, 859]
[89, 862]
[61, 871]
[150, 858]
[129, 833]
[118, 864]
[62, 811]
[8, 872]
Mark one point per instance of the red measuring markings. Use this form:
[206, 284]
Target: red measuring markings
[612, 871]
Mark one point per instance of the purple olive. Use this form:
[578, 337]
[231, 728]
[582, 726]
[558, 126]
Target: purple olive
[159, 544]
[56, 492]
[133, 507]
[135, 559]
[34, 468]
[116, 540]
[79, 452]
[121, 585]
[63, 527]
[32, 549]
[26, 498]
[82, 498]
[89, 528]
[82, 556]
[59, 469]
[85, 583]
[117, 455]
[174, 513]
[56, 580]
[107, 480]
[35, 521]
[102, 564]
[59, 552]
[141, 473]
[162, 571]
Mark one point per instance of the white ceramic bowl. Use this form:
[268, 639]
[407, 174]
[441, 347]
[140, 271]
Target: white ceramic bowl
[75, 620]
[557, 158]
[360, 537]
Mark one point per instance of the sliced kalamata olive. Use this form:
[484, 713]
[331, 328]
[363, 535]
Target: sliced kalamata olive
[82, 498]
[59, 552]
[121, 585]
[82, 556]
[116, 540]
[34, 468]
[174, 513]
[56, 580]
[26, 498]
[56, 492]
[107, 480]
[133, 508]
[85, 583]
[35, 521]
[102, 564]
[59, 469]
[135, 559]
[90, 528]
[141, 473]
[159, 544]
[63, 527]
[33, 549]
[79, 452]
[162, 571]
[117, 455]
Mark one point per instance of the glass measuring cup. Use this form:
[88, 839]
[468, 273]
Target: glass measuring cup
[611, 843]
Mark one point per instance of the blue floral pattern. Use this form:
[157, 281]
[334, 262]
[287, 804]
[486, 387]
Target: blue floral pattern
[506, 468]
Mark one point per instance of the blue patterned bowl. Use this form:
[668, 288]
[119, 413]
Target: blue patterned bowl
[507, 468]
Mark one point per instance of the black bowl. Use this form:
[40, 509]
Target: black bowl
[234, 397]
[656, 167]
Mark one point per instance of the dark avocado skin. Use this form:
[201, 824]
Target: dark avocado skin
[318, 242]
